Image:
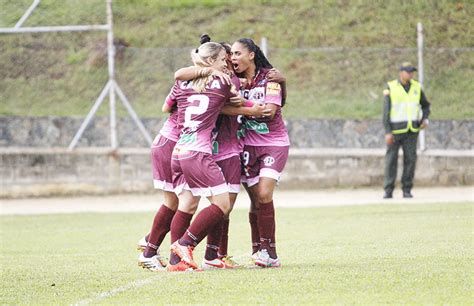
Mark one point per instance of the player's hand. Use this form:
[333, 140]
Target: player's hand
[389, 139]
[424, 124]
[236, 100]
[224, 77]
[260, 110]
[274, 75]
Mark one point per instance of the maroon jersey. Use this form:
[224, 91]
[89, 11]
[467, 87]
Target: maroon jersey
[198, 112]
[265, 131]
[227, 142]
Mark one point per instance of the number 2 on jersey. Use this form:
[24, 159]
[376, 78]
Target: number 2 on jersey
[199, 109]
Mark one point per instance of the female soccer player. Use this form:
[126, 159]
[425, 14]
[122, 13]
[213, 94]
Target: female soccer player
[266, 143]
[226, 152]
[196, 173]
[161, 150]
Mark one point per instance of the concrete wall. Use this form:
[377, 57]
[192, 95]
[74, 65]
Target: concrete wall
[43, 172]
[304, 133]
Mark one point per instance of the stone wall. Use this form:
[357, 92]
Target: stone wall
[43, 172]
[304, 133]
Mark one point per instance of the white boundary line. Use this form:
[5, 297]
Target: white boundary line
[113, 292]
[143, 282]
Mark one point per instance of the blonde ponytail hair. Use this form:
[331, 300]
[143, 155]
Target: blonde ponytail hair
[202, 58]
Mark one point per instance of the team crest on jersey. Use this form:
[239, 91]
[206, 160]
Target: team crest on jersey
[258, 94]
[268, 161]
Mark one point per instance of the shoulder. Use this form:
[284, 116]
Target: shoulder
[389, 85]
[235, 81]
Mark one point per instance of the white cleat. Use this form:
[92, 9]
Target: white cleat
[215, 264]
[155, 263]
[265, 261]
[141, 245]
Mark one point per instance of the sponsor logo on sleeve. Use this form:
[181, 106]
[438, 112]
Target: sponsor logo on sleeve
[273, 89]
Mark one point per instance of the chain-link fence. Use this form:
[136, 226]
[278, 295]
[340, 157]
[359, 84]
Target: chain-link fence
[62, 74]
[55, 74]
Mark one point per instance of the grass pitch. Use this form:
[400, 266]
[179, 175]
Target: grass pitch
[376, 254]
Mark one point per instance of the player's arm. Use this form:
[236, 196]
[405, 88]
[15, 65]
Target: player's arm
[275, 75]
[170, 101]
[194, 72]
[168, 105]
[273, 97]
[248, 108]
[191, 73]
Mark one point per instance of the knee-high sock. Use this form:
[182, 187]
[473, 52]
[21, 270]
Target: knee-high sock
[161, 226]
[213, 240]
[180, 223]
[224, 241]
[266, 227]
[207, 219]
[253, 219]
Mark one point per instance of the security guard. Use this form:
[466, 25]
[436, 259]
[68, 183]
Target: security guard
[405, 112]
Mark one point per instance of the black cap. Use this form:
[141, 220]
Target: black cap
[408, 67]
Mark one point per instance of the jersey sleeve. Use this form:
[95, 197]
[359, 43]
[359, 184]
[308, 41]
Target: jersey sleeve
[273, 94]
[171, 97]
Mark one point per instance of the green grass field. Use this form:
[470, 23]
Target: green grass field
[378, 254]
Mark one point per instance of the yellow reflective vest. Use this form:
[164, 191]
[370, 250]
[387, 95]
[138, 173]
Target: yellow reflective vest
[405, 108]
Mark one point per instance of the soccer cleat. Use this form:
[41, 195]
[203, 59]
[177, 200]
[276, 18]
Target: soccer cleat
[141, 245]
[185, 253]
[228, 260]
[215, 264]
[254, 257]
[265, 261]
[180, 267]
[155, 263]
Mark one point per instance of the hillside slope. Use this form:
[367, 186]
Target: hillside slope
[336, 54]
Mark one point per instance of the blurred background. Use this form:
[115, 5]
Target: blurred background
[336, 56]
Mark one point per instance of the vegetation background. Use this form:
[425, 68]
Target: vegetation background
[336, 54]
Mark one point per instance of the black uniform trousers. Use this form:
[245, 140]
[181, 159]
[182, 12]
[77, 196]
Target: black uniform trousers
[408, 143]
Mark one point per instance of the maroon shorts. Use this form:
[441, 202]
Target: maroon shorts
[197, 172]
[161, 151]
[264, 161]
[231, 169]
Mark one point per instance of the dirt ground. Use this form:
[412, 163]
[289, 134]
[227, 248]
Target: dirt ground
[303, 198]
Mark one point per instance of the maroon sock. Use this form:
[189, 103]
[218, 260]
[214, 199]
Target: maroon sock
[179, 224]
[161, 226]
[253, 219]
[224, 240]
[266, 227]
[206, 220]
[213, 239]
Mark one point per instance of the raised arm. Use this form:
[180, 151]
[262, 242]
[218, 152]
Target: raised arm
[249, 109]
[193, 72]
